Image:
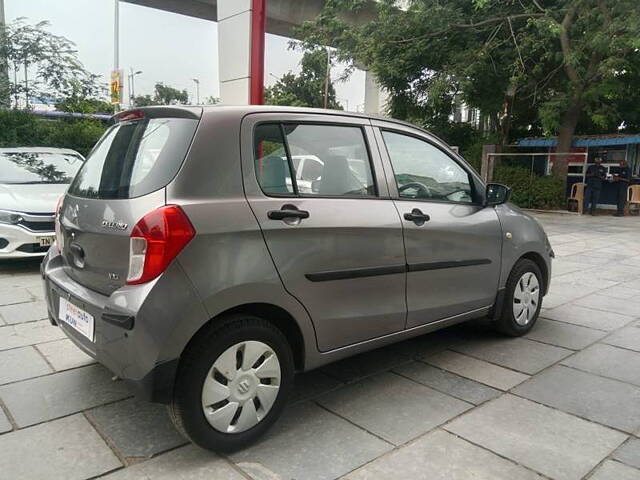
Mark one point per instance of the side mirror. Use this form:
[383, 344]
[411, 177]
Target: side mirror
[496, 194]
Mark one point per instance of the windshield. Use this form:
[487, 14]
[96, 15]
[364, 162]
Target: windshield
[38, 167]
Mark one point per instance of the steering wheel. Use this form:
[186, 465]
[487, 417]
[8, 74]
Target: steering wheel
[420, 186]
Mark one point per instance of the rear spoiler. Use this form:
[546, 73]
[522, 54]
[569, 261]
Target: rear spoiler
[158, 112]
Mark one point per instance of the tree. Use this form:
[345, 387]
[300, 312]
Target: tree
[306, 89]
[41, 63]
[530, 66]
[163, 95]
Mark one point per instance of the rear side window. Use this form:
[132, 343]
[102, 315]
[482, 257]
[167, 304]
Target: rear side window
[313, 160]
[135, 158]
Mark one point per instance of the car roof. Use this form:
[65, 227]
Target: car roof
[63, 151]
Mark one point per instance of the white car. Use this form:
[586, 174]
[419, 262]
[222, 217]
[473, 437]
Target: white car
[32, 180]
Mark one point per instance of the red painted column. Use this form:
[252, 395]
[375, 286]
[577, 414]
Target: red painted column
[256, 69]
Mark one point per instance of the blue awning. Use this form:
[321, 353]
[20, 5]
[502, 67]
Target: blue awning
[581, 142]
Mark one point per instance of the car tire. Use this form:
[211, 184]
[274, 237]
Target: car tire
[244, 359]
[522, 299]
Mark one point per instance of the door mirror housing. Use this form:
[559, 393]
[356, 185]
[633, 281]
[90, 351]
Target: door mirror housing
[496, 194]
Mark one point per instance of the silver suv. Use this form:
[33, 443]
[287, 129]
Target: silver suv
[191, 263]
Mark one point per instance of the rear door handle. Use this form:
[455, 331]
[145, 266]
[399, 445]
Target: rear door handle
[416, 216]
[287, 211]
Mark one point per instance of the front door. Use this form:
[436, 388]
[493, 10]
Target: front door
[453, 244]
[336, 240]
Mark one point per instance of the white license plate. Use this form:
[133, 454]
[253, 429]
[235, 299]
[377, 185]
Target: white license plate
[77, 318]
[45, 241]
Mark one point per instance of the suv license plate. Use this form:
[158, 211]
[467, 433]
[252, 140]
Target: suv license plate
[45, 241]
[77, 318]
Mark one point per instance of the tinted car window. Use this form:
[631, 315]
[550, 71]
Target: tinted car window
[423, 171]
[270, 158]
[135, 158]
[38, 167]
[330, 152]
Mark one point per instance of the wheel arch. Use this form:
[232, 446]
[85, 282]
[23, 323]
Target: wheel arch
[536, 258]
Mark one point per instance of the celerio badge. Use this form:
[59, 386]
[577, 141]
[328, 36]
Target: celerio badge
[114, 225]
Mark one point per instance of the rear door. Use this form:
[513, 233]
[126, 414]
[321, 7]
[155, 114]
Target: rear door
[120, 182]
[337, 243]
[453, 244]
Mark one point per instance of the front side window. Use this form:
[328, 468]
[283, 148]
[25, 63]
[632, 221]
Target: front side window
[312, 160]
[423, 171]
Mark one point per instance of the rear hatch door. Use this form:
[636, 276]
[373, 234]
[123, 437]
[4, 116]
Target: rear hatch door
[122, 180]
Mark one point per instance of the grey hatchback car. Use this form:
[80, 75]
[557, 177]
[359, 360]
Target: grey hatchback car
[197, 263]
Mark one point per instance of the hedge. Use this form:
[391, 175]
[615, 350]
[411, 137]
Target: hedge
[23, 129]
[531, 190]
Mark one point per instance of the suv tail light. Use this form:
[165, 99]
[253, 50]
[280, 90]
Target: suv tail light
[155, 241]
[57, 226]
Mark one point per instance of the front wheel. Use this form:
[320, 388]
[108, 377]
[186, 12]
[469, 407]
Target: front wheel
[523, 299]
[232, 383]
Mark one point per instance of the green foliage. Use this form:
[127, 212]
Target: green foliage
[24, 129]
[307, 88]
[163, 95]
[531, 190]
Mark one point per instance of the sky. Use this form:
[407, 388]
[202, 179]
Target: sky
[166, 47]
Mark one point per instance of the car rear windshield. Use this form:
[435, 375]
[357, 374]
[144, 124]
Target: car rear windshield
[134, 158]
[38, 167]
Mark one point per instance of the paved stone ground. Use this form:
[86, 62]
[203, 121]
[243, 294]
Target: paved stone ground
[562, 403]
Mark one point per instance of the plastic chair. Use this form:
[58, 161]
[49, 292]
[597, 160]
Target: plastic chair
[577, 195]
[633, 199]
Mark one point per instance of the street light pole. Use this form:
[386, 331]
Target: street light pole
[132, 94]
[4, 66]
[116, 40]
[326, 79]
[197, 82]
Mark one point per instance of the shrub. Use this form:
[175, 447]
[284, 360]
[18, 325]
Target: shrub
[531, 190]
[23, 129]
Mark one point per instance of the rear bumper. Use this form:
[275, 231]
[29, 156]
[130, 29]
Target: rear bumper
[126, 339]
[18, 242]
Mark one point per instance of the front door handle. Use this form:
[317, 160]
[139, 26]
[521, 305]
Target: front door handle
[287, 211]
[416, 216]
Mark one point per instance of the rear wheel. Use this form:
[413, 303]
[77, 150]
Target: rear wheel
[523, 299]
[232, 383]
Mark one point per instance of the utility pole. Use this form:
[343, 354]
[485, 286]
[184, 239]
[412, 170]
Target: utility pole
[132, 94]
[197, 82]
[326, 79]
[4, 67]
[116, 42]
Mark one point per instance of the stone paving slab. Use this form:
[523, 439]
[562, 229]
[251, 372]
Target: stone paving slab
[68, 448]
[611, 470]
[618, 291]
[596, 398]
[21, 335]
[563, 334]
[628, 337]
[136, 428]
[310, 443]
[608, 361]
[447, 382]
[478, 370]
[411, 409]
[187, 463]
[5, 424]
[311, 384]
[629, 453]
[52, 396]
[23, 312]
[21, 363]
[519, 354]
[440, 455]
[627, 307]
[554, 443]
[63, 354]
[10, 296]
[587, 317]
[366, 364]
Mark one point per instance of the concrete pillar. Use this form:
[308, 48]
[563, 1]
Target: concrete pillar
[375, 97]
[241, 31]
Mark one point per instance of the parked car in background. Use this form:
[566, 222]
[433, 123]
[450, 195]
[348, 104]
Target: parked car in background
[190, 262]
[32, 180]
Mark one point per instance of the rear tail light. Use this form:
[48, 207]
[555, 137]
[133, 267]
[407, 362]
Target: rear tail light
[58, 228]
[155, 241]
